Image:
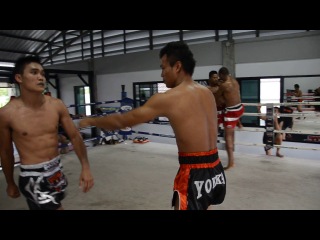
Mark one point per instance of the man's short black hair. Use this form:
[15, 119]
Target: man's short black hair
[179, 51]
[23, 61]
[212, 72]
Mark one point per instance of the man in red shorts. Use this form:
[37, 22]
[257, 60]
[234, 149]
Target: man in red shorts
[229, 103]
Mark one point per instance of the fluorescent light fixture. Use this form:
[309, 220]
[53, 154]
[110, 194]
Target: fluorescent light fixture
[6, 64]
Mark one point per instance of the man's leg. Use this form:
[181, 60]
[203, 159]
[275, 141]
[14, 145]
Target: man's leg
[229, 138]
[278, 141]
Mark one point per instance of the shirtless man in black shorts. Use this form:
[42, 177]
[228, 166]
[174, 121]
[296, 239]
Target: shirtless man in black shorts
[191, 110]
[31, 121]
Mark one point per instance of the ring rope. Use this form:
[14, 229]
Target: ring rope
[285, 114]
[16, 164]
[60, 146]
[155, 134]
[245, 129]
[278, 131]
[96, 103]
[219, 141]
[310, 121]
[277, 146]
[237, 143]
[305, 97]
[282, 104]
[96, 115]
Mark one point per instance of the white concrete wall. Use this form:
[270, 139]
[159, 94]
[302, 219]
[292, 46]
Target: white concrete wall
[279, 68]
[110, 84]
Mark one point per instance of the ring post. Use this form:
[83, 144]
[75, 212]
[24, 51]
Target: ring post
[126, 105]
[123, 93]
[269, 125]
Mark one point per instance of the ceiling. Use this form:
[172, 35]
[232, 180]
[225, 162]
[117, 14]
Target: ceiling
[64, 46]
[17, 43]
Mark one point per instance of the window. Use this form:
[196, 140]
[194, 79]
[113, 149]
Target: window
[6, 91]
[258, 90]
[82, 97]
[269, 93]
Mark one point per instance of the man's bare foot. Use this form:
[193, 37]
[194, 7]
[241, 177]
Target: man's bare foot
[279, 155]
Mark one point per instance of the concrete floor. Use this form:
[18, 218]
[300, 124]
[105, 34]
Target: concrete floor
[131, 176]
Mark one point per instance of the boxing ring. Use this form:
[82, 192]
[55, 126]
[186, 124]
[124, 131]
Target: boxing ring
[131, 176]
[247, 138]
[163, 133]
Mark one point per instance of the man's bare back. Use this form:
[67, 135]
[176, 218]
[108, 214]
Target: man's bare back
[197, 120]
[191, 110]
[229, 92]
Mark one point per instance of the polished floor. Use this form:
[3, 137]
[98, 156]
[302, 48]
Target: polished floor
[131, 176]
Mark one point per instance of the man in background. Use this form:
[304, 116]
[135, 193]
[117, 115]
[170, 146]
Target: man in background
[298, 93]
[229, 100]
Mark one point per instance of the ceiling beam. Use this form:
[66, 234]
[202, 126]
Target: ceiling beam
[68, 43]
[21, 37]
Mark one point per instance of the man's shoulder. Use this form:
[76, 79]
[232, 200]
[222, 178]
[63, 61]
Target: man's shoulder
[53, 100]
[234, 81]
[5, 113]
[6, 107]
[226, 85]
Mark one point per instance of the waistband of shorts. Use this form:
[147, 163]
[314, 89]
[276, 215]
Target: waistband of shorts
[40, 165]
[198, 157]
[235, 107]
